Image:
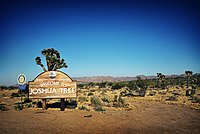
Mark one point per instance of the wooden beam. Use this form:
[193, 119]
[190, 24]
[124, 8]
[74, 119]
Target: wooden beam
[62, 104]
[44, 106]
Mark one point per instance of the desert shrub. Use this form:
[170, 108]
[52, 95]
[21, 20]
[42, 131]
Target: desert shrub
[82, 99]
[173, 98]
[116, 86]
[132, 85]
[152, 93]
[83, 108]
[18, 106]
[84, 93]
[34, 102]
[99, 108]
[28, 105]
[80, 91]
[176, 93]
[123, 93]
[73, 102]
[162, 92]
[92, 90]
[194, 86]
[110, 84]
[15, 95]
[39, 104]
[106, 99]
[103, 91]
[187, 92]
[91, 84]
[96, 102]
[193, 91]
[195, 99]
[142, 92]
[102, 84]
[115, 98]
[90, 94]
[81, 86]
[2, 107]
[119, 101]
[27, 100]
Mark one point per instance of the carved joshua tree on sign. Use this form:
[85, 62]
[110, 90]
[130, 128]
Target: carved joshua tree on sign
[53, 60]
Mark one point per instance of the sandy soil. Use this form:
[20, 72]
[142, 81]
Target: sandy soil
[146, 117]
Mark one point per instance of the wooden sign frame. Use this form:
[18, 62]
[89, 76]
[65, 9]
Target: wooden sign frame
[52, 85]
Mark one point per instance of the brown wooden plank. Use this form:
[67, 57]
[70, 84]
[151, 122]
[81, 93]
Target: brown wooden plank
[44, 86]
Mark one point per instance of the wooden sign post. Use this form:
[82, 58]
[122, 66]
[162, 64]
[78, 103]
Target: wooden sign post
[52, 85]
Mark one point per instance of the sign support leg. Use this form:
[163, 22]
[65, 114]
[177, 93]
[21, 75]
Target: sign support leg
[44, 107]
[21, 100]
[62, 104]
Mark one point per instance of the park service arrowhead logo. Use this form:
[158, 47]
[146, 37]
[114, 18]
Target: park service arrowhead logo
[52, 74]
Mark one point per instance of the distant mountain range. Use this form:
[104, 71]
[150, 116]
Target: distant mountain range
[115, 79]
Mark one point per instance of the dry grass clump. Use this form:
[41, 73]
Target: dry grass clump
[97, 103]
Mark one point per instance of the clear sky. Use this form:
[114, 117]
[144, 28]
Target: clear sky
[109, 38]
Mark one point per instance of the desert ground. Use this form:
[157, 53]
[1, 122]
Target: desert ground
[150, 114]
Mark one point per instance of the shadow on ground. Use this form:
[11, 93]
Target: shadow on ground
[68, 105]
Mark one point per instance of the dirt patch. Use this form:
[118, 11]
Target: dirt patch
[146, 117]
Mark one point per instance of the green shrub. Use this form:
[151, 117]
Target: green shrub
[2, 107]
[34, 102]
[28, 105]
[116, 86]
[95, 101]
[195, 99]
[18, 106]
[81, 86]
[39, 104]
[15, 95]
[27, 100]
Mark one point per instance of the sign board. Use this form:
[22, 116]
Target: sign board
[22, 87]
[52, 84]
[21, 79]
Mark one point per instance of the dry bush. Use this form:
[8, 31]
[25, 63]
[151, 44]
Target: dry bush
[96, 102]
[195, 99]
[172, 98]
[83, 108]
[106, 99]
[82, 99]
[119, 101]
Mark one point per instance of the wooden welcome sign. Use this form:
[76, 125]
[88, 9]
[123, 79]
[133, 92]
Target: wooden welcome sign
[52, 84]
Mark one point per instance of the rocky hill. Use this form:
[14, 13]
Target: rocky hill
[112, 79]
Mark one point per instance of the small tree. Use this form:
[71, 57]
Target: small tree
[161, 78]
[53, 60]
[142, 86]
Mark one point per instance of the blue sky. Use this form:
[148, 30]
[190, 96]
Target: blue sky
[109, 38]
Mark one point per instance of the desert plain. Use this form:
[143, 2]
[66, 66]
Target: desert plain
[149, 114]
